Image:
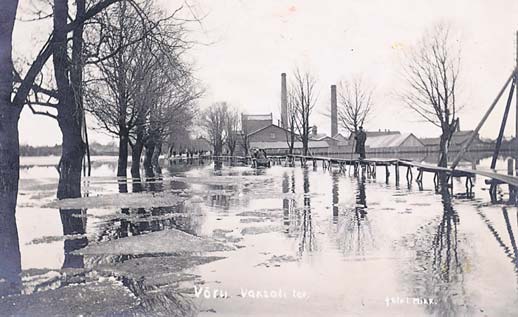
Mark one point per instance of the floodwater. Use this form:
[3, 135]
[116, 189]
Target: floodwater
[283, 241]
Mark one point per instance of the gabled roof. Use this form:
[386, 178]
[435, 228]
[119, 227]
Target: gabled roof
[266, 127]
[376, 133]
[284, 145]
[458, 138]
[389, 140]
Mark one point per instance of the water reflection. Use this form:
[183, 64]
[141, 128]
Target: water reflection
[289, 204]
[335, 195]
[511, 253]
[354, 234]
[438, 270]
[305, 220]
[509, 228]
[439, 254]
[74, 223]
[286, 201]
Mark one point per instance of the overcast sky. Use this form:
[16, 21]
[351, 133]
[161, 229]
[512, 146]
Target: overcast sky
[253, 42]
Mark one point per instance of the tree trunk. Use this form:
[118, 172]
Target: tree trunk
[72, 153]
[443, 148]
[218, 148]
[122, 164]
[10, 267]
[155, 158]
[148, 158]
[70, 112]
[136, 153]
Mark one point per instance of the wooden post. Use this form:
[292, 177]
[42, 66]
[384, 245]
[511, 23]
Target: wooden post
[516, 101]
[512, 189]
[502, 127]
[396, 167]
[481, 123]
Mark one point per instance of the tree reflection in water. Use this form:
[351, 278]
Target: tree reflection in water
[298, 222]
[74, 223]
[306, 235]
[354, 232]
[289, 206]
[335, 195]
[437, 271]
[286, 201]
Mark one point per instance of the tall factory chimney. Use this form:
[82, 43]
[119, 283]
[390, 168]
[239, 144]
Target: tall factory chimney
[334, 112]
[284, 102]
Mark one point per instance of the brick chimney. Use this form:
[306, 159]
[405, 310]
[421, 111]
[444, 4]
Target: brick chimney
[284, 102]
[314, 130]
[334, 114]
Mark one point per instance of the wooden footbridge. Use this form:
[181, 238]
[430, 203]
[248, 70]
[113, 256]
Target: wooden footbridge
[369, 166]
[396, 167]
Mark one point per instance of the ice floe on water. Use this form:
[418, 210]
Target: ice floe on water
[167, 241]
[120, 200]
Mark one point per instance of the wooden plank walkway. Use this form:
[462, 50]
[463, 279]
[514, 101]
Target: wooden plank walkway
[458, 172]
[493, 177]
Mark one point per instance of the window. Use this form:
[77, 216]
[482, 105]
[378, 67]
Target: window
[272, 135]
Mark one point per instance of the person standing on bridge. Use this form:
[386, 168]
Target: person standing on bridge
[360, 138]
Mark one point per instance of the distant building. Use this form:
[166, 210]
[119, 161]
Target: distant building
[400, 141]
[458, 139]
[264, 134]
[253, 122]
[391, 141]
[315, 136]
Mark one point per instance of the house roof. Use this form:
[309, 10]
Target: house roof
[458, 138]
[376, 133]
[284, 145]
[266, 127]
[388, 140]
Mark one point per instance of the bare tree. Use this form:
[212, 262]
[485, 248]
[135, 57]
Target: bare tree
[214, 121]
[244, 140]
[144, 84]
[291, 114]
[117, 76]
[175, 107]
[354, 104]
[431, 73]
[67, 47]
[15, 91]
[232, 130]
[304, 99]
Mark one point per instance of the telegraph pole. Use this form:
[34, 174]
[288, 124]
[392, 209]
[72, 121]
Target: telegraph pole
[516, 100]
[516, 68]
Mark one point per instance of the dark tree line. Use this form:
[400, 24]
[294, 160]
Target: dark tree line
[141, 90]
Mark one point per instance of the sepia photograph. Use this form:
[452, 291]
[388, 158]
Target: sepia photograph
[258, 158]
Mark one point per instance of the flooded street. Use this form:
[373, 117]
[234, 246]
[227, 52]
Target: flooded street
[279, 241]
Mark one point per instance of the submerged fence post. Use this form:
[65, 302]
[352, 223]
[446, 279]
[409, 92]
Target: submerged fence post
[512, 189]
